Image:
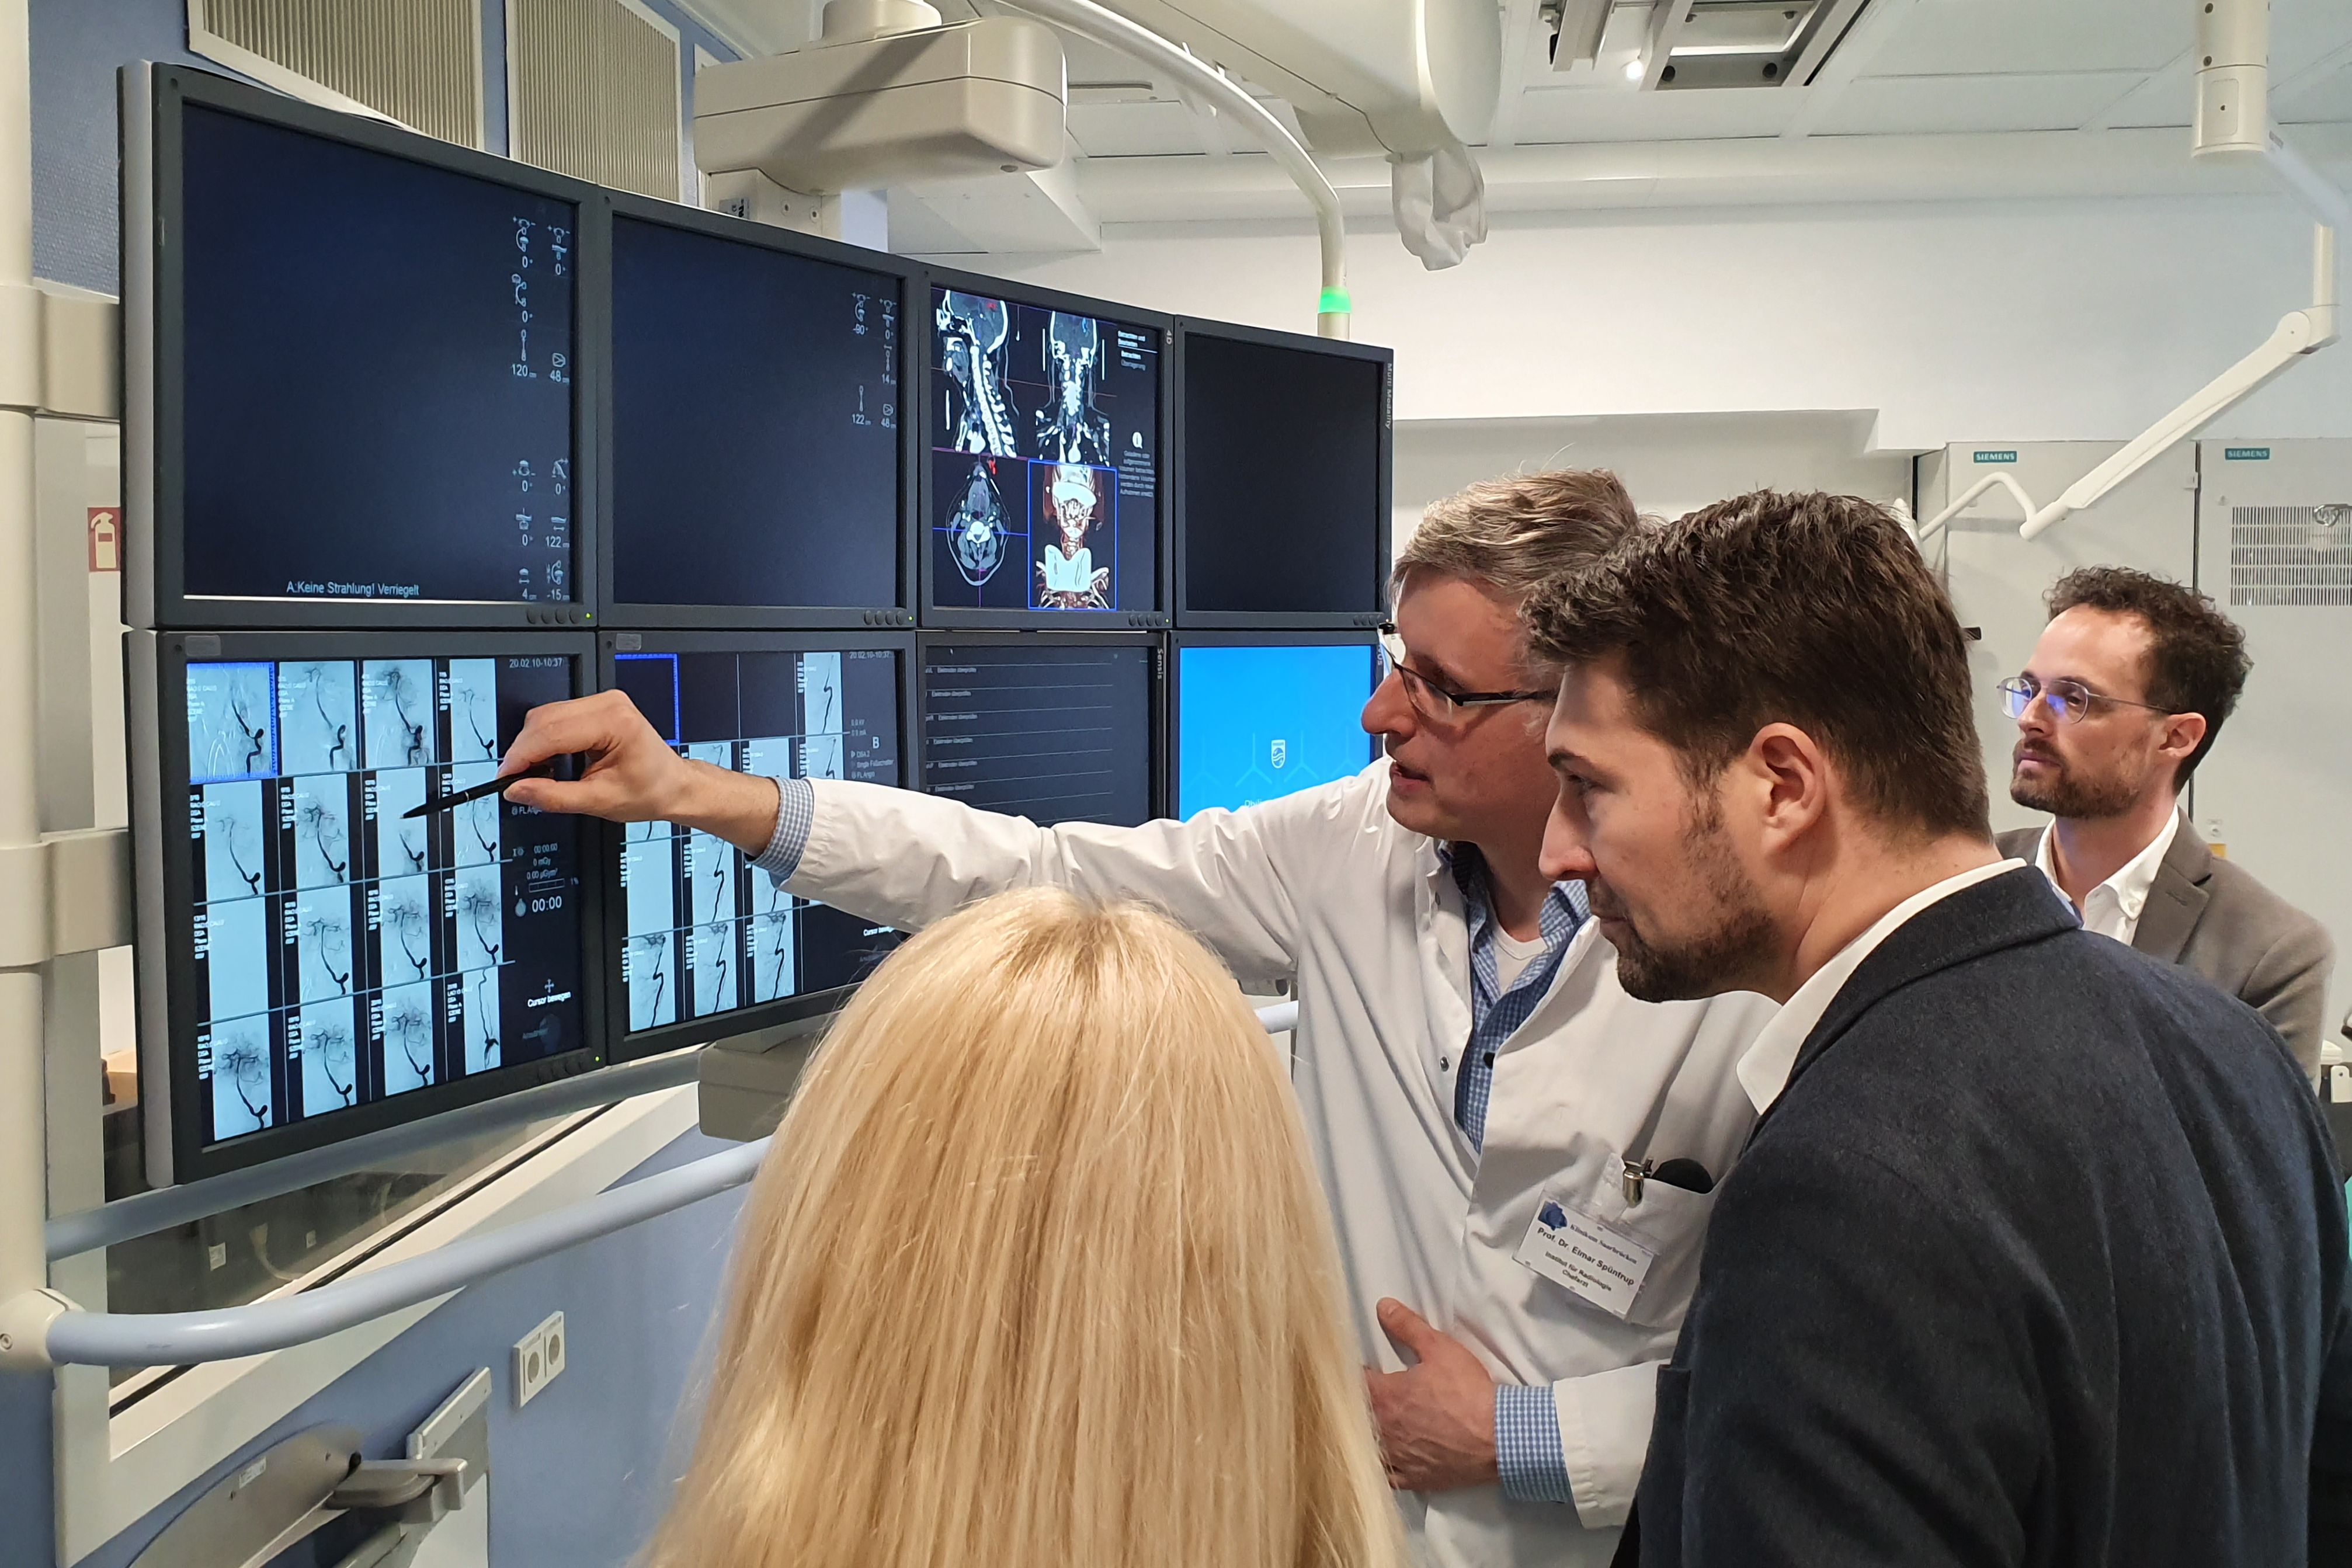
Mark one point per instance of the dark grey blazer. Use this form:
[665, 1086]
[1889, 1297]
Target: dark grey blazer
[2038, 1261]
[2212, 918]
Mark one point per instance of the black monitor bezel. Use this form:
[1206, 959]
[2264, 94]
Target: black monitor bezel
[1156, 726]
[164, 878]
[623, 1045]
[153, 367]
[933, 616]
[615, 610]
[1189, 618]
[1289, 636]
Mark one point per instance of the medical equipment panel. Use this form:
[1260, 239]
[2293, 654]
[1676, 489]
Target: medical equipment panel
[313, 962]
[1056, 728]
[1255, 716]
[1283, 492]
[350, 366]
[760, 472]
[1044, 475]
[702, 943]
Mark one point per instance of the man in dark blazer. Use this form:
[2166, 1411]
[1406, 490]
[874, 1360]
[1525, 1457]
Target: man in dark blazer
[2125, 694]
[2037, 1255]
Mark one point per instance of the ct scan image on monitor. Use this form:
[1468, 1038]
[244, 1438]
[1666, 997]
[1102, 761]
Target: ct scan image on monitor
[758, 458]
[1258, 715]
[1043, 431]
[315, 961]
[352, 371]
[1055, 729]
[707, 944]
[1282, 515]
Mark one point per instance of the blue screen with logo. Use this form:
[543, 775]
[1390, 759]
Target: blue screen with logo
[1259, 722]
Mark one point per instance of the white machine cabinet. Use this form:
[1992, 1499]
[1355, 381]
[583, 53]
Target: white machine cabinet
[1997, 579]
[2275, 551]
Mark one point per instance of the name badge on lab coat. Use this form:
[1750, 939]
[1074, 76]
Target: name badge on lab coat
[1587, 1259]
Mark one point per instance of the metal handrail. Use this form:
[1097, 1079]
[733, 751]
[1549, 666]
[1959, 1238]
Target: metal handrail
[88, 1230]
[76, 1338]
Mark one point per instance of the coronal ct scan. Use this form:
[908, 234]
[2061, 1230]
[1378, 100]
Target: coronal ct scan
[1044, 478]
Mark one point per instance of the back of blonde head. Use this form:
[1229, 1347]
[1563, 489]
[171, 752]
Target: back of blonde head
[1037, 1275]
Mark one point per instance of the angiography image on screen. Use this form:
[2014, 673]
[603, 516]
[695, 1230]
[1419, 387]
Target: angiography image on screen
[377, 399]
[1257, 722]
[1044, 445]
[707, 933]
[1051, 733]
[344, 954]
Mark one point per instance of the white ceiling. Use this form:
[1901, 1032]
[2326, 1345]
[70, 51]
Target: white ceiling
[1977, 96]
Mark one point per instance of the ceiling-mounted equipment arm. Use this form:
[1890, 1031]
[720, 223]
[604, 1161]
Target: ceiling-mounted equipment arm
[1194, 75]
[1936, 524]
[2234, 120]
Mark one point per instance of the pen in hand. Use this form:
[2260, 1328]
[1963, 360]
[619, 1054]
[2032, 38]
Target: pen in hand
[494, 786]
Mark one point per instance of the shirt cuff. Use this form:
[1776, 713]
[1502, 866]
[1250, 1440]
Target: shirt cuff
[795, 814]
[1531, 1463]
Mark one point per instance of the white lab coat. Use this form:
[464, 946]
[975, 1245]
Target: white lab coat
[1325, 889]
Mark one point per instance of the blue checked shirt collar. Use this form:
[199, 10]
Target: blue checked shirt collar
[1495, 1013]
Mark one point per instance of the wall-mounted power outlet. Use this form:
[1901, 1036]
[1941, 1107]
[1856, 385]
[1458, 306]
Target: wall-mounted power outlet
[539, 1355]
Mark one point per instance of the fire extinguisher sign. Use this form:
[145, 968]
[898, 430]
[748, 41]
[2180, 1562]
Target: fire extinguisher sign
[105, 539]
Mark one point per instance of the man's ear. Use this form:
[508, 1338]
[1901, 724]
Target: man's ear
[2183, 734]
[1790, 778]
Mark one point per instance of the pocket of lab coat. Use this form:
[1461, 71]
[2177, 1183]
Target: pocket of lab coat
[1668, 1220]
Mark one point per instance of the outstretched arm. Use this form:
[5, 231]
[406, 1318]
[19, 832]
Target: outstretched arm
[633, 776]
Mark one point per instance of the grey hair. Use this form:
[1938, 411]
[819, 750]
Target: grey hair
[1517, 534]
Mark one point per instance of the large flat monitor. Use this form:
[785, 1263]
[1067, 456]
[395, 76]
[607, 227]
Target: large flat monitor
[351, 386]
[707, 945]
[759, 472]
[313, 962]
[1253, 716]
[1054, 727]
[1282, 494]
[1045, 485]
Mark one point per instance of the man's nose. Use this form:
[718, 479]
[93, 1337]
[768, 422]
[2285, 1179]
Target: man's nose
[1565, 856]
[1388, 711]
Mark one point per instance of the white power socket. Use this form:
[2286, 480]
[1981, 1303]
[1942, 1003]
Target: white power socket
[539, 1355]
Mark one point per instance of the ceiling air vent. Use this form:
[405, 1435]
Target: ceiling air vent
[592, 91]
[1686, 43]
[418, 61]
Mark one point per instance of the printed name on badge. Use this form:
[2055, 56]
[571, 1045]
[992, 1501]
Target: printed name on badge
[1582, 1255]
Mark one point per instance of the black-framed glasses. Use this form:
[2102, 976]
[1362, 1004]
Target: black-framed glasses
[2070, 701]
[1432, 701]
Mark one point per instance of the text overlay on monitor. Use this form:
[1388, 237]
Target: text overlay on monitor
[756, 449]
[379, 376]
[1054, 731]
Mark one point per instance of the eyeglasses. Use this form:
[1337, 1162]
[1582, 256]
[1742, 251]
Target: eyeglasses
[1431, 701]
[2070, 701]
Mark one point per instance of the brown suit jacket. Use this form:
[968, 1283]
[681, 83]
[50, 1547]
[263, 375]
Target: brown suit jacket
[2214, 919]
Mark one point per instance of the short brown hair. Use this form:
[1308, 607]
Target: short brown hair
[1516, 533]
[1810, 609]
[2197, 655]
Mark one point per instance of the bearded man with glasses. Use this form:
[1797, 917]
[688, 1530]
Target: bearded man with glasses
[2127, 691]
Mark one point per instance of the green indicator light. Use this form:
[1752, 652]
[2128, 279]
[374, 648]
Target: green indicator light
[1336, 302]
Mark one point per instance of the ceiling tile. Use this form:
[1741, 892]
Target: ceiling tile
[1570, 115]
[1134, 129]
[1969, 37]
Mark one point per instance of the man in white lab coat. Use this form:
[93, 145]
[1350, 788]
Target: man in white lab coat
[1484, 1102]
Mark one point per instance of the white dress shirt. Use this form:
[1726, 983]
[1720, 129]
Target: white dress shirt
[2113, 908]
[1764, 1069]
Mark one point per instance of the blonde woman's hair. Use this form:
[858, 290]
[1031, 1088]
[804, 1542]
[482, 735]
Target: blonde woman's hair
[1037, 1275]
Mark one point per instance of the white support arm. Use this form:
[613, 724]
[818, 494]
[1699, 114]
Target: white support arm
[2299, 333]
[1196, 76]
[1968, 498]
